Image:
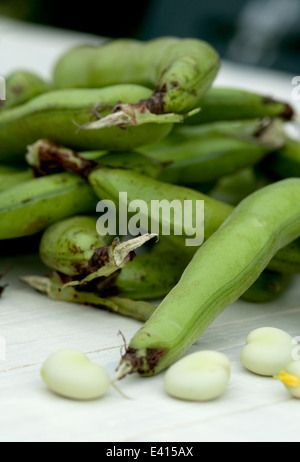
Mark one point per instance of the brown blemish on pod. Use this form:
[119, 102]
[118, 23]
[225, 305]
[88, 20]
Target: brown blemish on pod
[144, 364]
[55, 158]
[287, 112]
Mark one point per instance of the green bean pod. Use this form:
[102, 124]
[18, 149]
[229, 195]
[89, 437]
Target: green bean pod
[70, 245]
[21, 86]
[44, 155]
[55, 115]
[269, 130]
[47, 157]
[180, 71]
[234, 104]
[33, 205]
[108, 183]
[150, 276]
[208, 159]
[287, 259]
[67, 246]
[182, 158]
[11, 176]
[235, 187]
[221, 271]
[136, 161]
[76, 248]
[270, 286]
[283, 163]
[153, 275]
[54, 288]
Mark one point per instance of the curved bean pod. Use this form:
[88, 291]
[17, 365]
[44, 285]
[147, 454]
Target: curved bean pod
[68, 245]
[287, 260]
[47, 157]
[21, 86]
[55, 114]
[234, 104]
[76, 248]
[179, 70]
[235, 187]
[54, 288]
[283, 163]
[153, 275]
[201, 154]
[221, 271]
[210, 159]
[108, 183]
[241, 129]
[150, 276]
[270, 286]
[44, 156]
[32, 206]
[11, 176]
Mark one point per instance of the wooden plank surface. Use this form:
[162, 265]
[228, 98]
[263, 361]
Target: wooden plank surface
[252, 409]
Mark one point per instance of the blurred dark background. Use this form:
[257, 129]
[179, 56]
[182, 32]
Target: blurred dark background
[263, 33]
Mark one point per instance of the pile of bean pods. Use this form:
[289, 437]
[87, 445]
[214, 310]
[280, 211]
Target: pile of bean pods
[145, 118]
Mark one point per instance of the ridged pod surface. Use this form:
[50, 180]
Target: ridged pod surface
[221, 271]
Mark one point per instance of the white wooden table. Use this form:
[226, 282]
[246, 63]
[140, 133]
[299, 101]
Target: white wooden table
[252, 409]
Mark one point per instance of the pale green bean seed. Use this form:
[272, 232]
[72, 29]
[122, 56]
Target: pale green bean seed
[290, 377]
[69, 373]
[267, 351]
[200, 376]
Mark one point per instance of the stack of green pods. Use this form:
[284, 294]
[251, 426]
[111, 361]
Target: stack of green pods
[145, 119]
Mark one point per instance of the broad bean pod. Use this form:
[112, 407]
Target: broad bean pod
[33, 205]
[235, 187]
[69, 246]
[223, 268]
[21, 86]
[234, 104]
[54, 287]
[44, 155]
[270, 286]
[284, 162]
[180, 71]
[153, 275]
[47, 157]
[76, 248]
[205, 159]
[11, 176]
[55, 115]
[108, 183]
